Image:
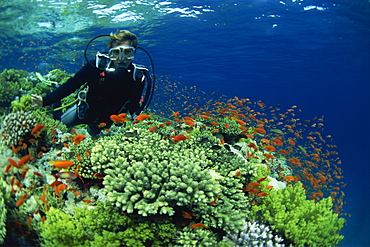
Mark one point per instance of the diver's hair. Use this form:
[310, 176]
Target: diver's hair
[122, 36]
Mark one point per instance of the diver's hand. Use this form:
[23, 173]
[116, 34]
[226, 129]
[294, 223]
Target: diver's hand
[36, 101]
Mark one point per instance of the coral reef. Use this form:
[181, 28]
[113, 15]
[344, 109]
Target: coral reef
[3, 211]
[254, 234]
[303, 221]
[101, 225]
[12, 82]
[198, 237]
[23, 104]
[225, 175]
[16, 125]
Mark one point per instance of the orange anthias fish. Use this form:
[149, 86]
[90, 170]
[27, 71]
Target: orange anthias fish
[102, 125]
[24, 160]
[194, 226]
[262, 194]
[62, 163]
[270, 148]
[37, 130]
[261, 179]
[21, 200]
[78, 138]
[187, 215]
[260, 131]
[179, 138]
[289, 178]
[142, 117]
[117, 119]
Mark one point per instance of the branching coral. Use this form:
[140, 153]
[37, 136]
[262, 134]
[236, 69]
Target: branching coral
[158, 176]
[302, 221]
[101, 226]
[198, 237]
[11, 82]
[16, 125]
[254, 234]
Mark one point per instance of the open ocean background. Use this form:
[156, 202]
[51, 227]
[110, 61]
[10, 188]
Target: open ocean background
[314, 54]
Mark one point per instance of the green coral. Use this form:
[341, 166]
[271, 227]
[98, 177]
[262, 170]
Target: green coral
[16, 125]
[198, 237]
[102, 226]
[229, 209]
[24, 104]
[303, 221]
[11, 83]
[158, 175]
[3, 211]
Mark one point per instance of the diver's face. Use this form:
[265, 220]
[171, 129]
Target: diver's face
[123, 63]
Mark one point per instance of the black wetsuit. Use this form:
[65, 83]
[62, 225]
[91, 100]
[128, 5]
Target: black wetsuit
[111, 93]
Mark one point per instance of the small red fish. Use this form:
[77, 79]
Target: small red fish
[289, 178]
[29, 222]
[24, 160]
[142, 117]
[261, 179]
[14, 149]
[99, 175]
[194, 226]
[214, 200]
[102, 125]
[62, 163]
[117, 119]
[37, 130]
[270, 148]
[21, 200]
[253, 184]
[152, 129]
[260, 131]
[179, 138]
[187, 215]
[241, 122]
[24, 172]
[62, 187]
[176, 114]
[78, 138]
[13, 163]
[189, 123]
[7, 168]
[122, 115]
[262, 194]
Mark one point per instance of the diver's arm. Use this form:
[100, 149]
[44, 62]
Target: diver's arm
[83, 75]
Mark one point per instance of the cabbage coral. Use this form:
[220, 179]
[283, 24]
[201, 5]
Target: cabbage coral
[303, 221]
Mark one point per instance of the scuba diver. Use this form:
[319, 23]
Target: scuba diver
[112, 85]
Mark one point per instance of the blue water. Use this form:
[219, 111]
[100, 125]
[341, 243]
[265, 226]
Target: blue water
[311, 53]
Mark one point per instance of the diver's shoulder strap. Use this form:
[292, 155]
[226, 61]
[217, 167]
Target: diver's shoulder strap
[102, 60]
[139, 72]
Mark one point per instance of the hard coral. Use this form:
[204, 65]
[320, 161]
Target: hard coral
[101, 226]
[302, 221]
[11, 83]
[254, 234]
[158, 176]
[16, 125]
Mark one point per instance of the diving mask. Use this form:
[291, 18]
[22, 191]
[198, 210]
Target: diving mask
[121, 52]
